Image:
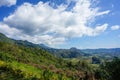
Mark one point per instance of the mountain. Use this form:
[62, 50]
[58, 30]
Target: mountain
[44, 46]
[114, 52]
[63, 53]
[22, 60]
[28, 63]
[66, 53]
[3, 38]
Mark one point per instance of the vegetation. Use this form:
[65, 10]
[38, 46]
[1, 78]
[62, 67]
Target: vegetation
[20, 71]
[13, 55]
[33, 63]
[22, 60]
[109, 70]
[95, 60]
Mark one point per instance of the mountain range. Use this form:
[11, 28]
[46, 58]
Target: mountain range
[23, 60]
[64, 53]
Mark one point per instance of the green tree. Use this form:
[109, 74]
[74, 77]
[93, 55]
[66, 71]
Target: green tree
[109, 70]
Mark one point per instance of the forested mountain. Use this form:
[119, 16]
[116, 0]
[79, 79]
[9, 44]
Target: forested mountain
[26, 61]
[63, 53]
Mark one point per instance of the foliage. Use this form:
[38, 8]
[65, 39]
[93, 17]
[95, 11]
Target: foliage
[20, 71]
[22, 60]
[95, 60]
[109, 70]
[27, 63]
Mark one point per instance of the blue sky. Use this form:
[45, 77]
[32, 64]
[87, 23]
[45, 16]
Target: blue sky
[63, 23]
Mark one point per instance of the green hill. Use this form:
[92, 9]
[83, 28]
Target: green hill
[25, 62]
[17, 57]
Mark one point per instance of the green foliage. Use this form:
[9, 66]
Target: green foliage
[26, 61]
[95, 60]
[109, 70]
[26, 55]
[34, 63]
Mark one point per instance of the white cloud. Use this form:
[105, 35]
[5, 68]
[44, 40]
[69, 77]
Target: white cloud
[7, 30]
[104, 12]
[115, 27]
[42, 23]
[98, 30]
[17, 34]
[7, 2]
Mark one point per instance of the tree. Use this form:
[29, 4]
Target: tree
[110, 70]
[95, 60]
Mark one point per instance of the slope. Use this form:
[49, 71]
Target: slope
[33, 63]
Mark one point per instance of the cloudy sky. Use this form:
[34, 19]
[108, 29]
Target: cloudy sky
[62, 23]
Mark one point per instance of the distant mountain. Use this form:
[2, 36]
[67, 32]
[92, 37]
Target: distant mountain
[66, 53]
[103, 52]
[43, 46]
[63, 53]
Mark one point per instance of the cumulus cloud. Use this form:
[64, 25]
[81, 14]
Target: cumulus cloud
[17, 34]
[7, 30]
[43, 23]
[115, 27]
[7, 2]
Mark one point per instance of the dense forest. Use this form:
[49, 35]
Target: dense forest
[22, 60]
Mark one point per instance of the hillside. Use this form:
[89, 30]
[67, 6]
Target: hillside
[33, 63]
[40, 59]
[23, 60]
[3, 38]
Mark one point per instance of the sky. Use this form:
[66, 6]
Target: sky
[62, 23]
